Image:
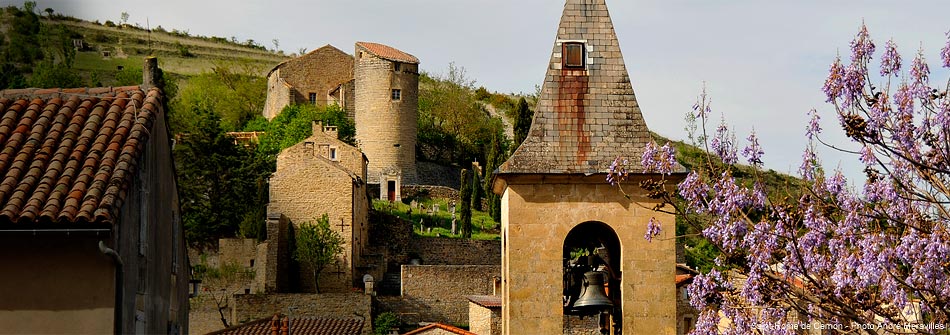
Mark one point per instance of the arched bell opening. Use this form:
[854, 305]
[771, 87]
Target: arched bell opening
[591, 284]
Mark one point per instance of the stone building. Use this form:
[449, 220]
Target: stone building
[555, 199]
[90, 233]
[387, 87]
[322, 77]
[323, 175]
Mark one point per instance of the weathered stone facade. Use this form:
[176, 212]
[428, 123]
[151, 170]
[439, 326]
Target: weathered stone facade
[323, 175]
[249, 307]
[437, 293]
[484, 319]
[554, 194]
[311, 78]
[387, 90]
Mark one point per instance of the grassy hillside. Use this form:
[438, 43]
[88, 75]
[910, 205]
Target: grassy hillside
[109, 47]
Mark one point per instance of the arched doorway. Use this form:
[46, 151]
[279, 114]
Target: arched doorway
[591, 247]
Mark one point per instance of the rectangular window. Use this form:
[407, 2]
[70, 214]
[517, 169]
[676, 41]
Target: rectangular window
[396, 66]
[333, 154]
[574, 55]
[313, 98]
[397, 94]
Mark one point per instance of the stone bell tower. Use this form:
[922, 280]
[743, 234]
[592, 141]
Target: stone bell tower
[556, 202]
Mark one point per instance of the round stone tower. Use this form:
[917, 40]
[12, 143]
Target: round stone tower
[387, 87]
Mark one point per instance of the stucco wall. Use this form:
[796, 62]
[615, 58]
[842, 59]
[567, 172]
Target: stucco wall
[537, 217]
[54, 283]
[386, 128]
[438, 292]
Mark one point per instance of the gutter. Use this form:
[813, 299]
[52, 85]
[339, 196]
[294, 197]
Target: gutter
[117, 317]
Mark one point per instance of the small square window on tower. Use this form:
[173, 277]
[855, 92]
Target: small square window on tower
[313, 98]
[397, 94]
[574, 55]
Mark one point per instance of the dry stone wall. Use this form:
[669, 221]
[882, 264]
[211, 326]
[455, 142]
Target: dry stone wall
[438, 292]
[327, 305]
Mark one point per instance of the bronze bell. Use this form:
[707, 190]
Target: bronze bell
[594, 298]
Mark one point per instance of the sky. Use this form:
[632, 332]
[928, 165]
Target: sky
[762, 62]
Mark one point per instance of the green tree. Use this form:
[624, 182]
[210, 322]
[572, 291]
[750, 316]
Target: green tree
[452, 124]
[522, 122]
[295, 123]
[49, 75]
[317, 246]
[465, 212]
[237, 96]
[219, 182]
[496, 156]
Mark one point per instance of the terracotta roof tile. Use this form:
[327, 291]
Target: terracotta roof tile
[68, 155]
[297, 326]
[388, 52]
[451, 329]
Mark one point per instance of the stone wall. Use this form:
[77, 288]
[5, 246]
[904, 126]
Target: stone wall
[429, 173]
[316, 72]
[386, 128]
[437, 293]
[249, 307]
[304, 190]
[456, 251]
[276, 277]
[537, 219]
[484, 320]
[429, 191]
[576, 325]
[279, 94]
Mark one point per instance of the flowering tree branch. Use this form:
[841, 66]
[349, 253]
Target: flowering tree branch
[870, 258]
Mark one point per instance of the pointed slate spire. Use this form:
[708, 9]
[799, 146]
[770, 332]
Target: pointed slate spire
[587, 114]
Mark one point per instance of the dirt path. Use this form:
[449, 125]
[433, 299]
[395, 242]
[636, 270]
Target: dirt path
[509, 129]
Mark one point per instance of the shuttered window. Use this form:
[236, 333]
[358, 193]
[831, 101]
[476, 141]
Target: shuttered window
[574, 55]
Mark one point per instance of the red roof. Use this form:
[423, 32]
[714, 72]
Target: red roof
[301, 326]
[451, 329]
[683, 279]
[388, 52]
[69, 155]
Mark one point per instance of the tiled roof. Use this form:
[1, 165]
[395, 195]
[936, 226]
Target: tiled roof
[451, 329]
[69, 155]
[487, 301]
[585, 117]
[388, 52]
[683, 279]
[296, 326]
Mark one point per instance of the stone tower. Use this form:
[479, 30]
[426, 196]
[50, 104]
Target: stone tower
[555, 199]
[387, 87]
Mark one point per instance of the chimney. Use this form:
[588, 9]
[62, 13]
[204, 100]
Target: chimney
[316, 127]
[150, 73]
[330, 131]
[273, 325]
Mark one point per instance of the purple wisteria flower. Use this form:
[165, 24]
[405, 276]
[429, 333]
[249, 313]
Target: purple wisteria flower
[753, 152]
[891, 61]
[862, 47]
[653, 229]
[945, 52]
[814, 125]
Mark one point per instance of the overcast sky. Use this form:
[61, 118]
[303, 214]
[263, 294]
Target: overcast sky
[763, 62]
